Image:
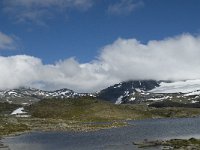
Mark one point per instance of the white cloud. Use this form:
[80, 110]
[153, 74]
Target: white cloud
[7, 42]
[38, 11]
[174, 58]
[29, 71]
[124, 7]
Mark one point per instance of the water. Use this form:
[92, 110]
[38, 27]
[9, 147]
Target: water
[112, 139]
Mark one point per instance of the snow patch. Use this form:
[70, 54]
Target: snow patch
[126, 93]
[138, 90]
[193, 93]
[18, 111]
[119, 100]
[118, 86]
[158, 99]
[9, 101]
[25, 104]
[132, 99]
[194, 101]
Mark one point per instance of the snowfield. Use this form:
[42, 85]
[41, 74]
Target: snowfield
[179, 86]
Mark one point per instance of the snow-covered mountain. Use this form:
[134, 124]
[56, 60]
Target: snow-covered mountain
[144, 91]
[150, 91]
[31, 95]
[127, 91]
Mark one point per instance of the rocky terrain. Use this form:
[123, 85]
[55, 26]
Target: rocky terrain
[173, 144]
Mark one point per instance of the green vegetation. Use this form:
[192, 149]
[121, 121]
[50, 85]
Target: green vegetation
[174, 112]
[89, 109]
[84, 109]
[11, 125]
[172, 103]
[6, 108]
[175, 144]
[82, 114]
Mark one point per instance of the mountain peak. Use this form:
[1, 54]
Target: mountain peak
[124, 89]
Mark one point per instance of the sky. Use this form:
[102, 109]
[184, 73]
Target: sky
[87, 45]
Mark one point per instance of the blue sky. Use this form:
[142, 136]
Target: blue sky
[82, 33]
[87, 45]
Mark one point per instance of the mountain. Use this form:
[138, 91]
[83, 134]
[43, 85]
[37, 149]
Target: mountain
[134, 92]
[31, 95]
[148, 91]
[119, 93]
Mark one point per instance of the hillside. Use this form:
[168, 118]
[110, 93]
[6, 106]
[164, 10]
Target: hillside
[83, 109]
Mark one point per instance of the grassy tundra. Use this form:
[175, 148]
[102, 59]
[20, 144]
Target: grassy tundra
[82, 114]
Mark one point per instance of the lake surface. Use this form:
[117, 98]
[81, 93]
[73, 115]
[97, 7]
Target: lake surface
[111, 139]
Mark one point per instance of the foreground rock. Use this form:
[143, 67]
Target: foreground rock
[2, 146]
[173, 144]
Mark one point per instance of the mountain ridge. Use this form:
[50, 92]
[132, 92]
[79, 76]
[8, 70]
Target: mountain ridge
[133, 91]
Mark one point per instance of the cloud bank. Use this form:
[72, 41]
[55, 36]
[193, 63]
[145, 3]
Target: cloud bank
[175, 58]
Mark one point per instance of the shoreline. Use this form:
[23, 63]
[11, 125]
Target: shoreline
[115, 124]
[73, 126]
[153, 139]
